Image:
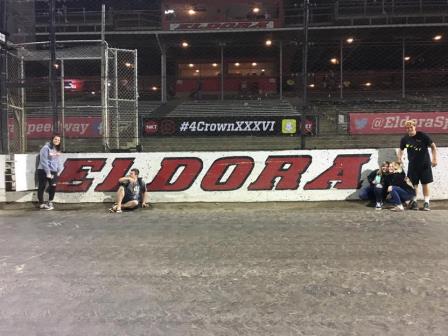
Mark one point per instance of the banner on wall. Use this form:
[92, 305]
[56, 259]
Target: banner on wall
[312, 175]
[228, 126]
[393, 122]
[222, 25]
[74, 127]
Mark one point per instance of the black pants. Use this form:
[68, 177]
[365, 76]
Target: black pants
[42, 184]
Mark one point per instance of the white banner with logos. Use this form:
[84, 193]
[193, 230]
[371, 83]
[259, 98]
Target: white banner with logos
[261, 176]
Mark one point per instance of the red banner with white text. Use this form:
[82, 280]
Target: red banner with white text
[74, 127]
[393, 122]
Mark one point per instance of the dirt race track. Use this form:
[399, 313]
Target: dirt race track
[224, 269]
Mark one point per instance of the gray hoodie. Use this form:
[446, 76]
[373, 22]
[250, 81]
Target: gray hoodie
[49, 159]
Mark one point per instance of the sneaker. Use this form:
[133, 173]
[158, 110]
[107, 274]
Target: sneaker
[413, 205]
[43, 206]
[398, 208]
[50, 206]
[378, 206]
[426, 206]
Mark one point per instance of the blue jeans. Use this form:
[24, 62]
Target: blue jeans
[399, 195]
[372, 193]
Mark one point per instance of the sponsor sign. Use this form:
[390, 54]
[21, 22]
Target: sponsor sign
[393, 122]
[312, 175]
[222, 25]
[74, 127]
[227, 126]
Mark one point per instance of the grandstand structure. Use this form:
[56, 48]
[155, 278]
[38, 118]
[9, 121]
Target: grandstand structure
[238, 58]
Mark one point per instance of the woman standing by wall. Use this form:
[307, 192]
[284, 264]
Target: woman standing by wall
[48, 170]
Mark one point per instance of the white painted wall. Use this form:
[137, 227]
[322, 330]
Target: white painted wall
[150, 163]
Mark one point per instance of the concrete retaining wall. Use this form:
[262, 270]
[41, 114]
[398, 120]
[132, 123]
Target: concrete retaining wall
[314, 175]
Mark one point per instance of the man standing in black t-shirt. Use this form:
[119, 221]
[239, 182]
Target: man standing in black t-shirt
[420, 163]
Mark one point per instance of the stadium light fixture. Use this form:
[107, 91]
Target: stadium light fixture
[268, 43]
[128, 65]
[237, 64]
[185, 44]
[254, 64]
[197, 70]
[214, 65]
[169, 11]
[311, 85]
[255, 10]
[154, 88]
[368, 84]
[437, 37]
[334, 60]
[350, 40]
[191, 11]
[191, 65]
[407, 58]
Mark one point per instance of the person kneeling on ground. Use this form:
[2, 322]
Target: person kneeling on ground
[374, 192]
[131, 193]
[399, 187]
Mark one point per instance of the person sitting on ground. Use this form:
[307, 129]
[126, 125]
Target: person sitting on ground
[375, 192]
[131, 193]
[399, 187]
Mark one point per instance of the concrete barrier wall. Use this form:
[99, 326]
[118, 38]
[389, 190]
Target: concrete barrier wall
[314, 175]
[2, 178]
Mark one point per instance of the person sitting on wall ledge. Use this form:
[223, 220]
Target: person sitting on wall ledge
[131, 193]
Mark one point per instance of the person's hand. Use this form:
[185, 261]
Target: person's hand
[434, 163]
[49, 176]
[389, 189]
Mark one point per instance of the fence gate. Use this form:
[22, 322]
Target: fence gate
[122, 101]
[15, 98]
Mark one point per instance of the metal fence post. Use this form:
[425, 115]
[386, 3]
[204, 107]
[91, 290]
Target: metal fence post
[306, 13]
[23, 140]
[137, 141]
[403, 68]
[62, 105]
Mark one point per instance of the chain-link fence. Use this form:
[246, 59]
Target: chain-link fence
[122, 98]
[83, 94]
[370, 56]
[15, 101]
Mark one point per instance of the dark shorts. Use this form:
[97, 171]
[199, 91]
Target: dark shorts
[420, 174]
[128, 197]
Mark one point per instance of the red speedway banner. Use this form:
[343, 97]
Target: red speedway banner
[393, 122]
[74, 127]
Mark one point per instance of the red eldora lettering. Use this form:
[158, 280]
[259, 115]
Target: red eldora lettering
[345, 173]
[119, 169]
[163, 180]
[275, 168]
[74, 176]
[212, 180]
